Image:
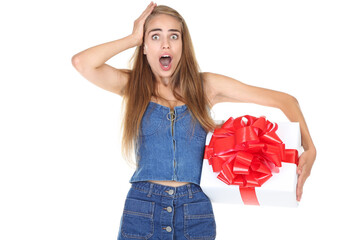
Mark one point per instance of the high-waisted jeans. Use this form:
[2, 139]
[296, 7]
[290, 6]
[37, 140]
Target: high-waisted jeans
[153, 211]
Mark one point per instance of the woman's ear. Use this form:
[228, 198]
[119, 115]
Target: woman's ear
[145, 49]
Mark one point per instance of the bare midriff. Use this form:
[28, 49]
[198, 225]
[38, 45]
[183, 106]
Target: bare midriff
[170, 183]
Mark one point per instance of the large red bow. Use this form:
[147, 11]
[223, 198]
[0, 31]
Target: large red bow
[246, 151]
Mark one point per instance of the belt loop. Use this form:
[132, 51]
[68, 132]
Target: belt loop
[150, 191]
[189, 189]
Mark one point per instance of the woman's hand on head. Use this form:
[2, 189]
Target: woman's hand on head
[138, 29]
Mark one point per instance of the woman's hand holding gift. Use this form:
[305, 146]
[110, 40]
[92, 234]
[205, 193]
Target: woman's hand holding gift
[306, 162]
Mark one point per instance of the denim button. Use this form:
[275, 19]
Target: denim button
[169, 209]
[171, 192]
[168, 229]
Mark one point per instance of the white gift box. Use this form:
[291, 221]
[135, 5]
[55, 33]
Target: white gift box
[279, 190]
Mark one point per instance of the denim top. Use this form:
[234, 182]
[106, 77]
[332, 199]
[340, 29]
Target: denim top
[168, 147]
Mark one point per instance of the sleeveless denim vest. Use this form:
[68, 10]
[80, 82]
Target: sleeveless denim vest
[169, 147]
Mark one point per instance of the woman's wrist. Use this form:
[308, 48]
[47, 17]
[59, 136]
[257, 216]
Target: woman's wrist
[311, 153]
[310, 148]
[134, 41]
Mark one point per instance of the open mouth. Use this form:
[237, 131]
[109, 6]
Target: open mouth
[165, 62]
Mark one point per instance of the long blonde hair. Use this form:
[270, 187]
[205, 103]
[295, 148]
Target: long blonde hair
[186, 84]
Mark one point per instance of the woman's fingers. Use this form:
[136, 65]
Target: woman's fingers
[148, 10]
[139, 23]
[299, 187]
[304, 173]
[306, 161]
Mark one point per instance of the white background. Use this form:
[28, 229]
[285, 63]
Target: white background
[61, 173]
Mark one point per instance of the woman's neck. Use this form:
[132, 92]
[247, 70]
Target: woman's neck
[164, 81]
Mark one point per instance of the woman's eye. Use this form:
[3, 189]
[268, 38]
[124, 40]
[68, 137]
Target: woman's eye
[174, 36]
[155, 37]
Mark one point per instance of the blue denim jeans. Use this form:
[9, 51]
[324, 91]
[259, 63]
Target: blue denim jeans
[154, 211]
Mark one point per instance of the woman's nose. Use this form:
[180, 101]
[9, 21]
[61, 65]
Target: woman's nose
[165, 44]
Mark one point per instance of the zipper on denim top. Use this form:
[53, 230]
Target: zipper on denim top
[171, 116]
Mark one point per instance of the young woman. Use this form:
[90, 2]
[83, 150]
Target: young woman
[167, 103]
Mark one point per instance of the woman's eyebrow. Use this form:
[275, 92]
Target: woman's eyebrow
[159, 29]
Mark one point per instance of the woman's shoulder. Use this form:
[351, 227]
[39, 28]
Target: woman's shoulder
[211, 79]
[211, 82]
[226, 89]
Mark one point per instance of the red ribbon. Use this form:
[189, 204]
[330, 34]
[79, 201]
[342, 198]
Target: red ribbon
[246, 151]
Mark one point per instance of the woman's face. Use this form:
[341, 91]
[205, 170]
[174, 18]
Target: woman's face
[163, 45]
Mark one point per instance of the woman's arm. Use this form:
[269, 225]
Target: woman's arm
[226, 89]
[90, 63]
